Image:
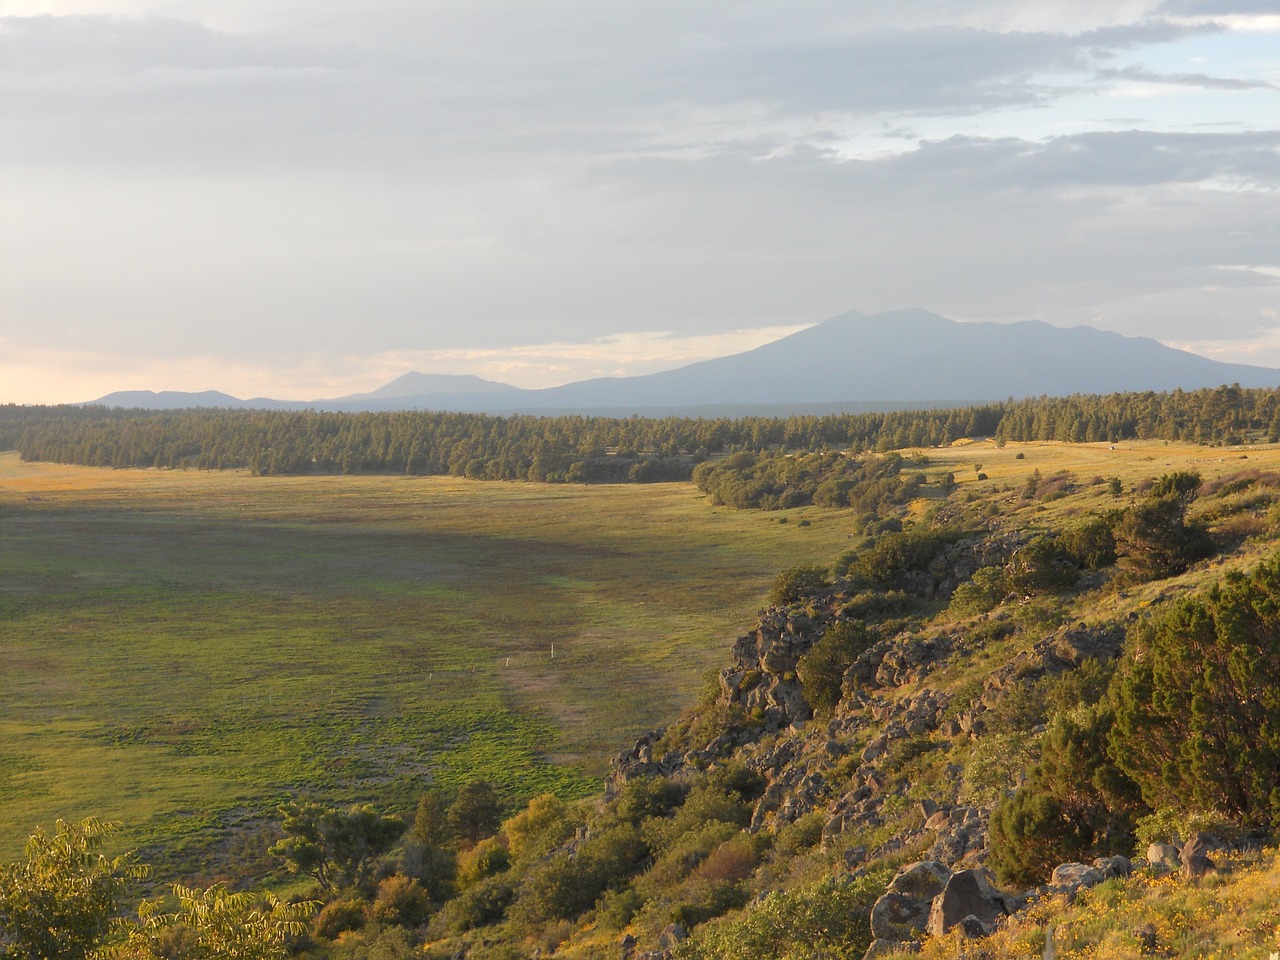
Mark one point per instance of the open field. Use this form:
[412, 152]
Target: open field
[180, 649]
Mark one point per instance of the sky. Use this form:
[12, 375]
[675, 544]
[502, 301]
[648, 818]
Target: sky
[307, 198]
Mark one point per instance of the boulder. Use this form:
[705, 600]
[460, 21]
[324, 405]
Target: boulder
[1114, 866]
[922, 881]
[967, 894]
[903, 912]
[1197, 865]
[971, 928]
[1163, 857]
[671, 935]
[896, 917]
[1073, 876]
[1199, 846]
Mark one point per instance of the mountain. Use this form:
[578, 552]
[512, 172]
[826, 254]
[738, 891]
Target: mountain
[898, 359]
[178, 400]
[912, 357]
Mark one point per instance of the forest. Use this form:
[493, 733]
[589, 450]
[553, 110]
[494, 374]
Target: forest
[582, 449]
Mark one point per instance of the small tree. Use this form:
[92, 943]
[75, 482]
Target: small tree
[1075, 802]
[476, 812]
[1197, 702]
[1153, 539]
[61, 900]
[215, 925]
[798, 583]
[336, 847]
[822, 669]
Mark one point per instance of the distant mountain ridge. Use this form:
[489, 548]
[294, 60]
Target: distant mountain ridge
[898, 359]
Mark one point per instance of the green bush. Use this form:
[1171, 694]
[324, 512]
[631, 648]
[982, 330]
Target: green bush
[798, 583]
[481, 904]
[891, 559]
[1075, 804]
[1153, 539]
[1197, 702]
[1040, 567]
[567, 884]
[985, 590]
[821, 670]
[827, 920]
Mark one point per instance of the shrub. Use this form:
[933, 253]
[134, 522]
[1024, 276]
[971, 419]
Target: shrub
[338, 917]
[1091, 544]
[1153, 539]
[483, 903]
[1040, 567]
[895, 556]
[1197, 701]
[798, 583]
[400, 901]
[645, 797]
[821, 670]
[536, 829]
[485, 859]
[1075, 803]
[985, 590]
[828, 919]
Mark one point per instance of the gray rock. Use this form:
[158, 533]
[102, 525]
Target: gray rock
[896, 917]
[973, 929]
[921, 881]
[1199, 846]
[672, 934]
[966, 894]
[1073, 876]
[1163, 857]
[1197, 865]
[1114, 866]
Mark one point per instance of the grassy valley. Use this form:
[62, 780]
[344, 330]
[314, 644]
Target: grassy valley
[185, 650]
[182, 650]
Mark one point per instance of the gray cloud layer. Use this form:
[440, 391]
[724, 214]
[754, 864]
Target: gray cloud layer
[301, 178]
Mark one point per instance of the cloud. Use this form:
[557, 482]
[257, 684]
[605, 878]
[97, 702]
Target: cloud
[265, 181]
[1184, 79]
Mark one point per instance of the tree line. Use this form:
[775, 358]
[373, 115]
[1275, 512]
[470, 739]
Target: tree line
[585, 449]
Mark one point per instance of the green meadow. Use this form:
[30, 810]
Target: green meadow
[182, 651]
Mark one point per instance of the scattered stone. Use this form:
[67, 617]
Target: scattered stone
[1163, 857]
[672, 934]
[1073, 876]
[923, 881]
[1114, 866]
[938, 821]
[966, 894]
[896, 917]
